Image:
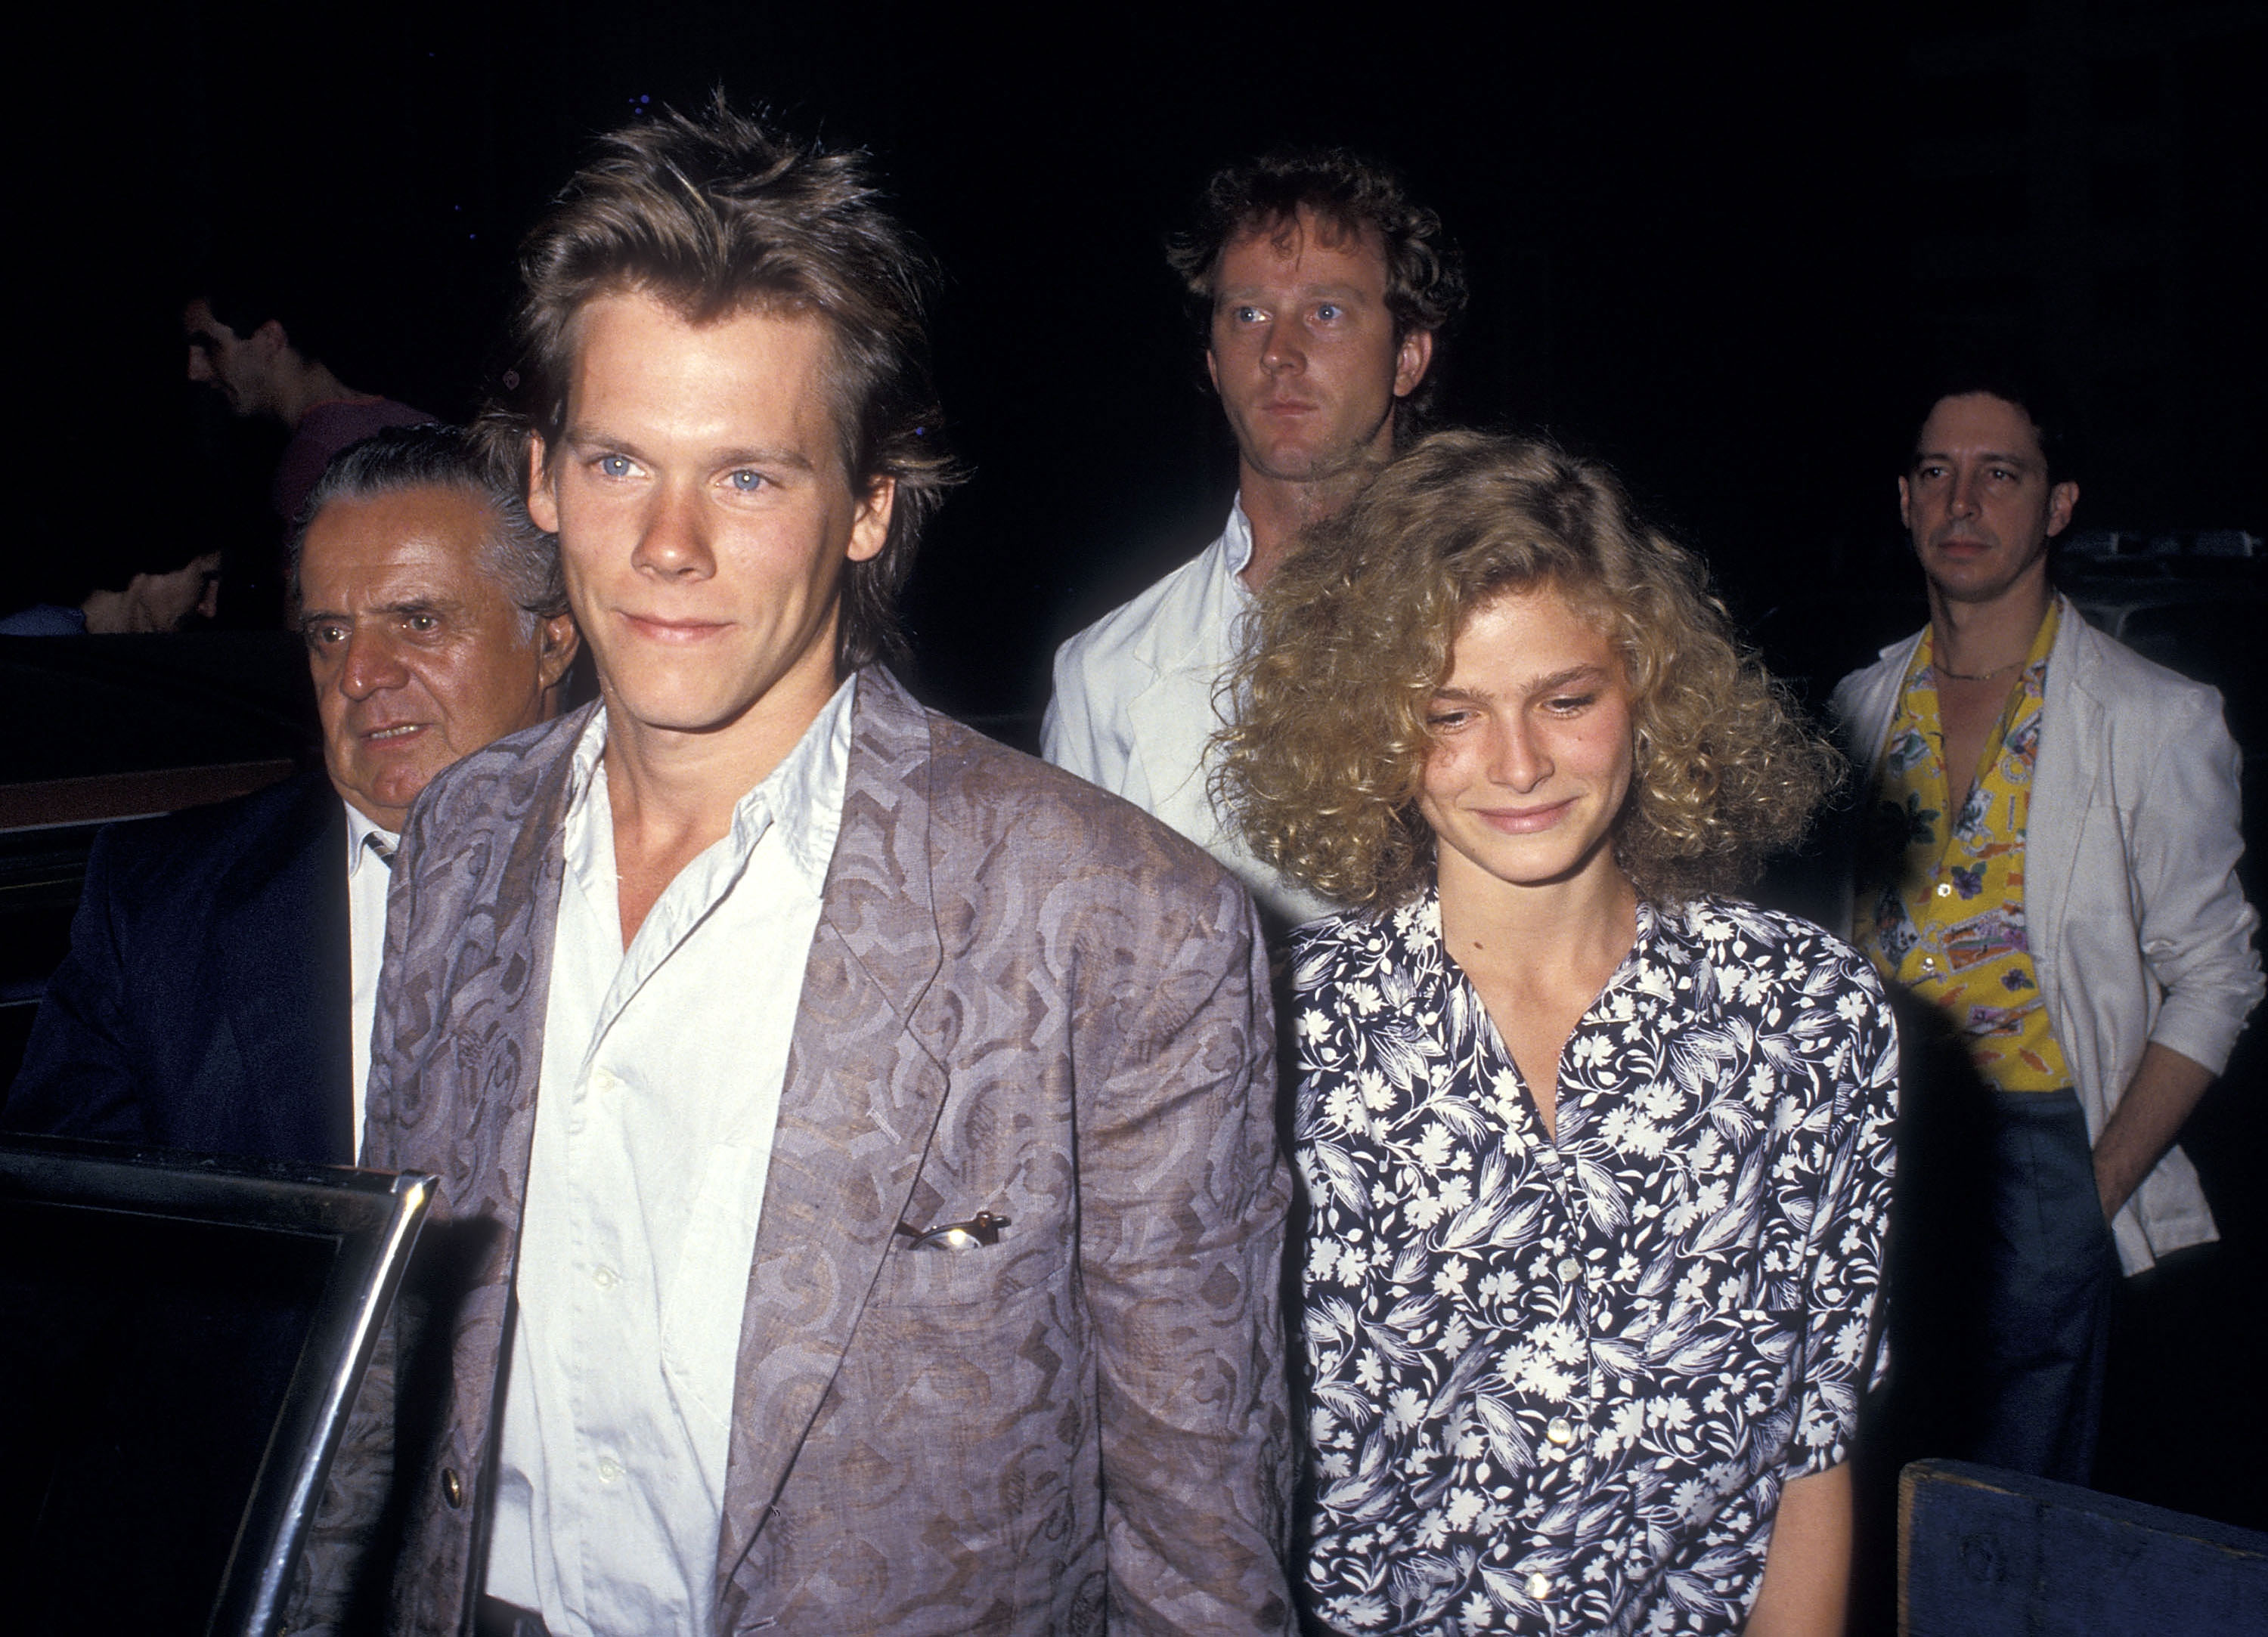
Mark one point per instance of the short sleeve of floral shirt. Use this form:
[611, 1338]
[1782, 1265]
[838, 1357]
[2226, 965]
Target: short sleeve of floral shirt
[1559, 1382]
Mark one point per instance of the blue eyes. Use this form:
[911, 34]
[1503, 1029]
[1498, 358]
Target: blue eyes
[1325, 312]
[742, 480]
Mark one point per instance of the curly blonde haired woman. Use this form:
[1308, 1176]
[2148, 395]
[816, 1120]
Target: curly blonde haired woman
[1598, 1157]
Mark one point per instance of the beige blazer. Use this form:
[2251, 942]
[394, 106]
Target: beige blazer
[1024, 997]
[2138, 925]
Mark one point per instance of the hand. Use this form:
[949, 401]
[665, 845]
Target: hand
[2165, 1088]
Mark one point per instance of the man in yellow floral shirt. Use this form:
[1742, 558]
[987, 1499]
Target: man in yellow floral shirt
[2049, 864]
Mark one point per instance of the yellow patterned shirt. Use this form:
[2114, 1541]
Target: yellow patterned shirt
[1941, 906]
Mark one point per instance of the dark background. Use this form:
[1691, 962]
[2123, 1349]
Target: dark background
[1704, 244]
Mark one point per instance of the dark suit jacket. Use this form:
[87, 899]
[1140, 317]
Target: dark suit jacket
[205, 1002]
[1024, 996]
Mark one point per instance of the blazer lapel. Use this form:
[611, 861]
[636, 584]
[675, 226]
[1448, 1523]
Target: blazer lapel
[452, 1087]
[1863, 719]
[2063, 782]
[861, 1098]
[1879, 707]
[289, 985]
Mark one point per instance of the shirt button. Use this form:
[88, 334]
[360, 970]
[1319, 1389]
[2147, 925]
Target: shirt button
[1945, 889]
[1929, 963]
[1570, 1269]
[453, 1489]
[605, 1279]
[1539, 1586]
[1561, 1431]
[610, 1469]
[603, 1080]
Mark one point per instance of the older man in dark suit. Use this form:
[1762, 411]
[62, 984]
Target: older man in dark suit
[860, 1205]
[223, 969]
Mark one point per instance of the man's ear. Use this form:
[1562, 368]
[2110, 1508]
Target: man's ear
[1411, 362]
[2062, 500]
[1212, 372]
[869, 527]
[542, 505]
[271, 336]
[558, 642]
[1905, 501]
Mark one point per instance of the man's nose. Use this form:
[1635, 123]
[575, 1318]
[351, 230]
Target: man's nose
[372, 665]
[1965, 501]
[674, 542]
[1284, 348]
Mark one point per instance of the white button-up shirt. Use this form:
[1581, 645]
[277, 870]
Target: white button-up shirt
[368, 876]
[1134, 707]
[661, 1076]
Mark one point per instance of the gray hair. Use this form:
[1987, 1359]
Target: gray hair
[520, 556]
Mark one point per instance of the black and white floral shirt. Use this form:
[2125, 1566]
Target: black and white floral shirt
[1558, 1384]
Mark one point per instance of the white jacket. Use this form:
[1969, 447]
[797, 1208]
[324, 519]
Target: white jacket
[1134, 709]
[2138, 929]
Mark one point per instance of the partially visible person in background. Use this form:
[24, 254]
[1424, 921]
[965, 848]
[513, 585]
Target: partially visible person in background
[251, 339]
[1321, 288]
[273, 348]
[160, 581]
[1598, 1156]
[2048, 868]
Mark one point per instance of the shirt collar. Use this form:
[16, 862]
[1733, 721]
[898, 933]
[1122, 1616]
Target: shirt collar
[1236, 544]
[1418, 922]
[803, 796]
[359, 829]
[2044, 640]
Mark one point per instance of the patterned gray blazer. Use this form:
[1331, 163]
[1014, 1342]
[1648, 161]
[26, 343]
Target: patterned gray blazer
[1025, 997]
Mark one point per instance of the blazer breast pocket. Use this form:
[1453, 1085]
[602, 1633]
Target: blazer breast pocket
[987, 1259]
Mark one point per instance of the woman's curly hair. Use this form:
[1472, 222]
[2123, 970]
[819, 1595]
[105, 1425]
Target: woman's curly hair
[1323, 765]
